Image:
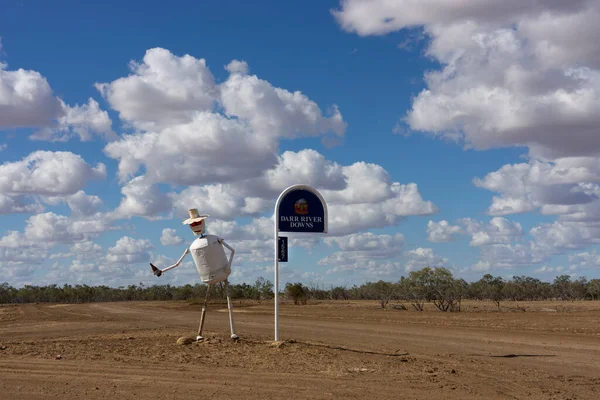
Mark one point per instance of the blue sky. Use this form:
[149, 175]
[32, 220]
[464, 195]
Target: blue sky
[436, 99]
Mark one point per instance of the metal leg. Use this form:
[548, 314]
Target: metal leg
[230, 307]
[199, 337]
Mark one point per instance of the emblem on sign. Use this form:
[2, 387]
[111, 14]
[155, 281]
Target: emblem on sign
[301, 207]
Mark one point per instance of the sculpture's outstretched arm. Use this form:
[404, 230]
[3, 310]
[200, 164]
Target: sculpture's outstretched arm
[158, 272]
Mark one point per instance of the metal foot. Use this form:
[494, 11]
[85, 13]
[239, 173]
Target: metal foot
[230, 307]
[199, 337]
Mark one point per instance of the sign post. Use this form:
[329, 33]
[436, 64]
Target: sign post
[299, 208]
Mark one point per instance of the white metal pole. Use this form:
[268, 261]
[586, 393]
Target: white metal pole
[276, 276]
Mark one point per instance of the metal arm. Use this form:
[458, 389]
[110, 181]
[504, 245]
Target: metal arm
[158, 272]
[222, 241]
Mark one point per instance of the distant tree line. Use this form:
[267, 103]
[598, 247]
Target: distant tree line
[428, 285]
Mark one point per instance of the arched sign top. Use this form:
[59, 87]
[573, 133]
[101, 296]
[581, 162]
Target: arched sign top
[300, 208]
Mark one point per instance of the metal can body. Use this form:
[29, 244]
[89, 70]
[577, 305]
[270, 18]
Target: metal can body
[210, 259]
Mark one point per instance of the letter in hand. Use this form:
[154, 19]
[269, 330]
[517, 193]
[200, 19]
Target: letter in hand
[155, 270]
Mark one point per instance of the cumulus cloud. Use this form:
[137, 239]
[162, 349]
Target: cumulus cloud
[169, 237]
[162, 90]
[589, 259]
[424, 257]
[26, 99]
[368, 269]
[497, 231]
[547, 270]
[83, 121]
[19, 254]
[182, 139]
[128, 251]
[509, 256]
[236, 66]
[514, 73]
[52, 228]
[359, 248]
[275, 111]
[560, 236]
[142, 198]
[48, 173]
[18, 204]
[527, 186]
[442, 231]
[80, 203]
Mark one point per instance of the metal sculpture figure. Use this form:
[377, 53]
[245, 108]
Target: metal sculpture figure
[211, 262]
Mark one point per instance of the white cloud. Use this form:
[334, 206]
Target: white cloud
[80, 203]
[162, 90]
[83, 205]
[50, 229]
[356, 249]
[590, 259]
[275, 111]
[527, 186]
[210, 148]
[82, 121]
[509, 75]
[377, 17]
[142, 198]
[169, 237]
[26, 99]
[369, 269]
[497, 231]
[18, 204]
[182, 138]
[561, 235]
[405, 200]
[424, 257]
[86, 250]
[48, 173]
[508, 256]
[127, 251]
[547, 269]
[18, 254]
[442, 231]
[236, 66]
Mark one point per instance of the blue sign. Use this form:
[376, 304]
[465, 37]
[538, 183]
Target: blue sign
[282, 248]
[302, 209]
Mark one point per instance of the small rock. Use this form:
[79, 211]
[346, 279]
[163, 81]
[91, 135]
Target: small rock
[2, 347]
[278, 344]
[58, 357]
[453, 371]
[184, 340]
[404, 359]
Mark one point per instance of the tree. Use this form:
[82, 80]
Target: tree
[447, 293]
[593, 289]
[492, 288]
[562, 287]
[265, 288]
[297, 292]
[381, 291]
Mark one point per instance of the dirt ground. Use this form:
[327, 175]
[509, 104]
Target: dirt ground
[327, 350]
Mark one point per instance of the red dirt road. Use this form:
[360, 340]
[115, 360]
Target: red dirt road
[332, 350]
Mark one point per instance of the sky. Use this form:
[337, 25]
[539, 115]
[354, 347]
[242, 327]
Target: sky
[459, 134]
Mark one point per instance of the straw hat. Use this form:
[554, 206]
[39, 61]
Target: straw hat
[194, 216]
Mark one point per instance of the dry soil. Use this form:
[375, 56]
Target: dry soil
[327, 350]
